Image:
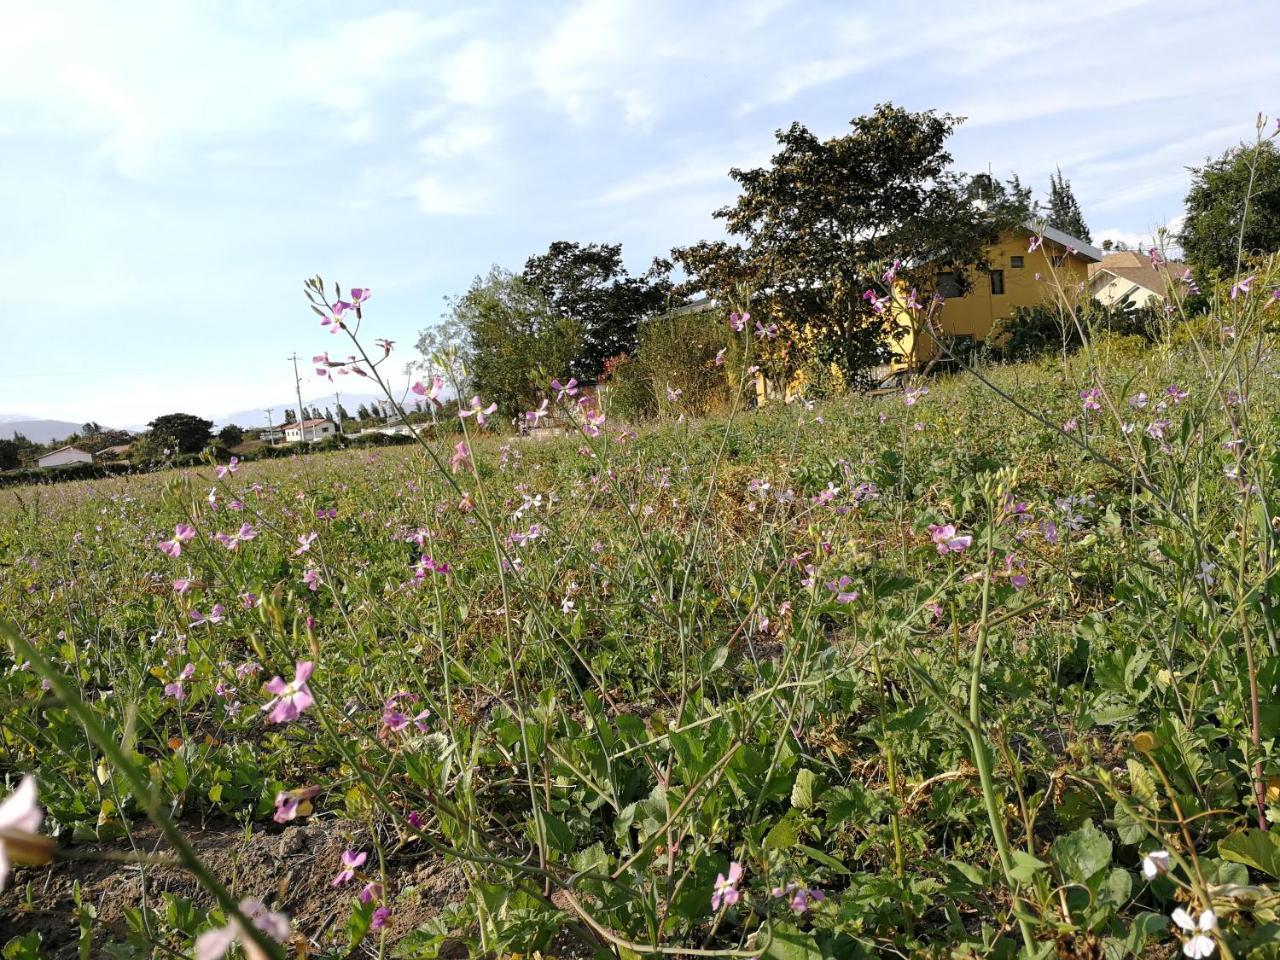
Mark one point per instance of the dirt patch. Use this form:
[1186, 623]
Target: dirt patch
[291, 870]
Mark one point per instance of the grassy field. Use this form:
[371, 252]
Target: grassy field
[971, 670]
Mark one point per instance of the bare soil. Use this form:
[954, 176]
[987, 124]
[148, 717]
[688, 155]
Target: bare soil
[290, 870]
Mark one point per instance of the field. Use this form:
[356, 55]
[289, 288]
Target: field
[984, 667]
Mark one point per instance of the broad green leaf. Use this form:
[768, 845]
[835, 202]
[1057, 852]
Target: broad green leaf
[1082, 853]
[1025, 866]
[802, 790]
[823, 858]
[1254, 848]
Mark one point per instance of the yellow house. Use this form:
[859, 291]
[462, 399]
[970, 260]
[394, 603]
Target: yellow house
[1019, 276]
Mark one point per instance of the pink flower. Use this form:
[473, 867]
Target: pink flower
[800, 896]
[371, 891]
[432, 393]
[20, 817]
[479, 411]
[912, 395]
[212, 944]
[1036, 240]
[351, 861]
[181, 534]
[563, 390]
[841, 589]
[721, 352]
[291, 804]
[739, 321]
[233, 540]
[380, 917]
[946, 539]
[396, 721]
[1242, 286]
[461, 458]
[359, 295]
[304, 543]
[725, 893]
[1089, 399]
[534, 416]
[232, 465]
[674, 394]
[891, 273]
[176, 689]
[290, 698]
[181, 586]
[877, 303]
[312, 579]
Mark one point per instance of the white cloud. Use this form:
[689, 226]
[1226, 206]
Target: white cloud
[458, 139]
[435, 197]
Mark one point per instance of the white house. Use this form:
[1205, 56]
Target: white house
[310, 431]
[1126, 277]
[65, 455]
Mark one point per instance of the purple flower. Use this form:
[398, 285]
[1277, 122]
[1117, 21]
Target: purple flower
[1089, 399]
[351, 861]
[911, 396]
[312, 579]
[432, 393]
[233, 540]
[380, 917]
[230, 468]
[461, 458]
[181, 534]
[739, 321]
[725, 893]
[1242, 286]
[563, 390]
[946, 539]
[1036, 240]
[176, 689]
[371, 891]
[291, 804]
[478, 410]
[360, 294]
[841, 589]
[800, 896]
[290, 698]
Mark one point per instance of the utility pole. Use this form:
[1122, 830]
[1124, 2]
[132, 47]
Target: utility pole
[270, 430]
[297, 385]
[337, 411]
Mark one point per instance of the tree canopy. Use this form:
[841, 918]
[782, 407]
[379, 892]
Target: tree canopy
[180, 432]
[1064, 209]
[815, 228]
[1215, 208]
[515, 342]
[589, 286]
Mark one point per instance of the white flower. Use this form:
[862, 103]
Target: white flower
[1201, 944]
[20, 818]
[1155, 863]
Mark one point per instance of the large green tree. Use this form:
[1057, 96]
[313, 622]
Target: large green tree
[515, 341]
[180, 432]
[1212, 236]
[1064, 209]
[590, 287]
[815, 228]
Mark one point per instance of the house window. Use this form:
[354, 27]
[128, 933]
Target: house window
[997, 282]
[949, 285]
[1015, 261]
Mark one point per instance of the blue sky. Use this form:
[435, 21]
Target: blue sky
[174, 170]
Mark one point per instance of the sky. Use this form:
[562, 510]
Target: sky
[171, 172]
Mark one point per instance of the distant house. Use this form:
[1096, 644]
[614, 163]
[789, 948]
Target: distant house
[1127, 277]
[271, 434]
[117, 452]
[63, 456]
[310, 431]
[1017, 276]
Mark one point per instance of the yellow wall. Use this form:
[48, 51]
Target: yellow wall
[974, 314]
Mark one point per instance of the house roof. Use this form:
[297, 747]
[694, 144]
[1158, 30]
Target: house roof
[118, 448]
[1137, 269]
[307, 423]
[70, 446]
[1086, 250]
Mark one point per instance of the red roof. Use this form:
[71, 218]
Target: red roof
[307, 423]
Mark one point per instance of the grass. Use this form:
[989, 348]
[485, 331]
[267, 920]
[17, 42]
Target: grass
[632, 662]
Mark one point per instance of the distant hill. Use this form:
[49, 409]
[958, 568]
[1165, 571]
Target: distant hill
[38, 431]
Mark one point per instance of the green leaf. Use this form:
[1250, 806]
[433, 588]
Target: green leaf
[789, 943]
[1254, 848]
[784, 834]
[1025, 866]
[802, 790]
[1143, 785]
[823, 858]
[1082, 853]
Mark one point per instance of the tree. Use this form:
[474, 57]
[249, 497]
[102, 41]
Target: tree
[1215, 209]
[342, 413]
[91, 429]
[290, 416]
[231, 435]
[328, 414]
[516, 343]
[362, 412]
[180, 432]
[1064, 210]
[589, 286]
[9, 457]
[816, 228]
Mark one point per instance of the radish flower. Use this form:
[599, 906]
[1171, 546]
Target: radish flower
[290, 698]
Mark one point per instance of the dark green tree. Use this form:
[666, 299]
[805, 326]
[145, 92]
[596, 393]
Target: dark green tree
[180, 432]
[9, 458]
[590, 287]
[816, 227]
[362, 412]
[516, 343]
[1211, 235]
[342, 413]
[231, 435]
[91, 429]
[290, 416]
[1064, 210]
